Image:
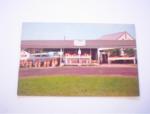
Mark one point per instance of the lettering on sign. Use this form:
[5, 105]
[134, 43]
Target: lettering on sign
[79, 42]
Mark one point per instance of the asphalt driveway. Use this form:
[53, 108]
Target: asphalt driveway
[81, 70]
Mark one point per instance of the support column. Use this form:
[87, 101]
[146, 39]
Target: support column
[108, 55]
[134, 60]
[90, 57]
[109, 61]
[79, 54]
[61, 57]
[98, 55]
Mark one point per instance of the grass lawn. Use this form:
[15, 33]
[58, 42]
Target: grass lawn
[78, 86]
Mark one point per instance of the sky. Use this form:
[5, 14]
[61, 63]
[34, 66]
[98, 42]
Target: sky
[72, 31]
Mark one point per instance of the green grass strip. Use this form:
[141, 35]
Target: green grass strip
[78, 86]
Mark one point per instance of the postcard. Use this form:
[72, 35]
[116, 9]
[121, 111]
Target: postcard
[78, 59]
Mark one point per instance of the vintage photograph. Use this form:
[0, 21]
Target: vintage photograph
[78, 59]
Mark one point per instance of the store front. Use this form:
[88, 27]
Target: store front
[79, 56]
[69, 52]
[117, 56]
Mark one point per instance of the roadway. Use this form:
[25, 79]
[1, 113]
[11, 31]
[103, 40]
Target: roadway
[109, 70]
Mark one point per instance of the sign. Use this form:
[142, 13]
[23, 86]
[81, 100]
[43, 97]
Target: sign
[79, 42]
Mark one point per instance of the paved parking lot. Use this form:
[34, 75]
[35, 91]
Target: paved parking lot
[124, 70]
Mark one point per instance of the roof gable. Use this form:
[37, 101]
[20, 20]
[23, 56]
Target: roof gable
[117, 36]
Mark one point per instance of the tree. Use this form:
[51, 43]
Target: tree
[130, 52]
[114, 52]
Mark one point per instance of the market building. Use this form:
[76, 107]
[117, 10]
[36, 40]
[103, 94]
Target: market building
[117, 48]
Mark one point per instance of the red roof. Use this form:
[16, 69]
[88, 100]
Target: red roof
[115, 40]
[70, 44]
[117, 36]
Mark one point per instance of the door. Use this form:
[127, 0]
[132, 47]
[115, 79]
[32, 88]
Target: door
[104, 58]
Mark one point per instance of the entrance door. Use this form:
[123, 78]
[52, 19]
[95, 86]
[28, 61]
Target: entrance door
[94, 54]
[104, 58]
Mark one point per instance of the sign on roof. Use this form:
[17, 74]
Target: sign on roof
[79, 42]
